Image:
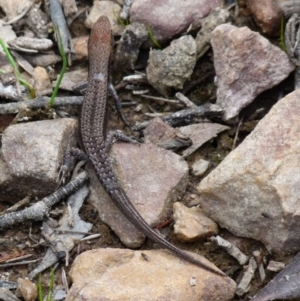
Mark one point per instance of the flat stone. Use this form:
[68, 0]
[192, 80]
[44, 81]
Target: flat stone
[191, 224]
[200, 133]
[246, 64]
[152, 177]
[171, 18]
[254, 192]
[123, 275]
[32, 155]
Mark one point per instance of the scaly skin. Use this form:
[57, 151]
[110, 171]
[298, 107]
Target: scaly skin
[93, 122]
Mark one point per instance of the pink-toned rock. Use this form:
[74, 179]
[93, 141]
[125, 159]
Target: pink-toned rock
[153, 179]
[191, 224]
[123, 275]
[200, 133]
[267, 16]
[246, 64]
[255, 191]
[170, 18]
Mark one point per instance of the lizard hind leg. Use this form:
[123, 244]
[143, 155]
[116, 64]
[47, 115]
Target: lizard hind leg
[113, 136]
[66, 165]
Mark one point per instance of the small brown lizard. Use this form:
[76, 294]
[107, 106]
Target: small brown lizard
[96, 142]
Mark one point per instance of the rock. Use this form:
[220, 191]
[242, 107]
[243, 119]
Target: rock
[216, 17]
[80, 47]
[120, 274]
[153, 179]
[42, 82]
[28, 289]
[42, 60]
[37, 21]
[267, 16]
[255, 191]
[171, 18]
[289, 7]
[246, 64]
[6, 34]
[170, 68]
[109, 9]
[158, 131]
[32, 153]
[200, 133]
[129, 45]
[163, 135]
[72, 79]
[191, 224]
[200, 167]
[14, 8]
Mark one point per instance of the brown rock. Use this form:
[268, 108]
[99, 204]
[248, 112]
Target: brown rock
[42, 83]
[123, 275]
[246, 64]
[152, 177]
[28, 289]
[191, 224]
[158, 131]
[267, 16]
[80, 47]
[255, 191]
[171, 18]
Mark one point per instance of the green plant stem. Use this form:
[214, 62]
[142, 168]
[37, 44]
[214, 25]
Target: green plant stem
[63, 70]
[40, 288]
[282, 43]
[152, 37]
[14, 65]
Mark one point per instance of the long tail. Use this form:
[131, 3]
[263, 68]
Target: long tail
[122, 201]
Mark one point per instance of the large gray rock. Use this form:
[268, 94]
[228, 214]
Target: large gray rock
[255, 191]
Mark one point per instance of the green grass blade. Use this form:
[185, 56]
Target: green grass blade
[64, 67]
[153, 38]
[40, 288]
[282, 43]
[14, 65]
